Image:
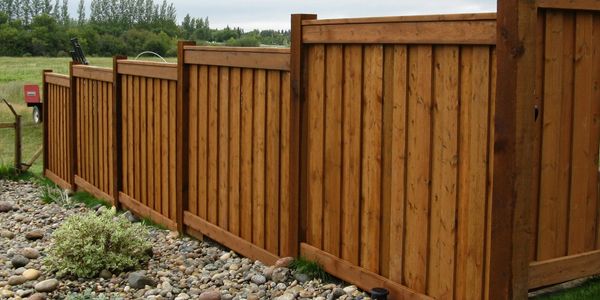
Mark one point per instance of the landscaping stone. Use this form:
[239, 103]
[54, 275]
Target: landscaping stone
[106, 274]
[47, 285]
[31, 274]
[37, 296]
[16, 280]
[284, 262]
[34, 235]
[131, 217]
[139, 280]
[5, 207]
[210, 295]
[19, 261]
[301, 277]
[7, 234]
[30, 253]
[258, 279]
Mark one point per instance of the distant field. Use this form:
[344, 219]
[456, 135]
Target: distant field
[14, 73]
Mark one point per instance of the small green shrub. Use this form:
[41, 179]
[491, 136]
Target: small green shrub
[53, 194]
[87, 295]
[311, 268]
[86, 244]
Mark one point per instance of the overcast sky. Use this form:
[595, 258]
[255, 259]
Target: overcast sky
[275, 14]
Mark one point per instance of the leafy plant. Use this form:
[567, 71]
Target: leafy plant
[85, 244]
[311, 268]
[53, 194]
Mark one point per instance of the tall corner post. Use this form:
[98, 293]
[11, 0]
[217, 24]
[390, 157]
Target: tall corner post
[182, 127]
[73, 124]
[514, 123]
[45, 120]
[116, 127]
[298, 131]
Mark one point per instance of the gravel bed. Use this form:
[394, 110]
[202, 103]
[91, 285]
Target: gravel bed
[181, 267]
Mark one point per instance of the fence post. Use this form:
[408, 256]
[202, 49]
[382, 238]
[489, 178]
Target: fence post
[117, 130]
[297, 178]
[514, 123]
[181, 140]
[73, 124]
[45, 119]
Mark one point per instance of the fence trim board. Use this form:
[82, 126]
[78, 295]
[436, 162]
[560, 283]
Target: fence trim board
[192, 47]
[57, 79]
[148, 69]
[278, 60]
[57, 180]
[396, 19]
[590, 5]
[565, 268]
[145, 211]
[453, 32]
[229, 240]
[90, 188]
[364, 279]
[92, 72]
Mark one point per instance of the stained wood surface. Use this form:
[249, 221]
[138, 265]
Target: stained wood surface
[236, 146]
[406, 162]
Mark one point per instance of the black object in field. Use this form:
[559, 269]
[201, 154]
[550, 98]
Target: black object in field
[77, 53]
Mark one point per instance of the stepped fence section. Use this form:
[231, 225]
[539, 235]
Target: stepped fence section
[59, 158]
[445, 157]
[240, 149]
[95, 108]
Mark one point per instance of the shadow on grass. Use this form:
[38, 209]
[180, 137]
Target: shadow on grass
[588, 290]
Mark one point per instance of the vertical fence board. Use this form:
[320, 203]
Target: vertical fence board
[258, 158]
[332, 148]
[272, 162]
[223, 148]
[246, 151]
[234, 151]
[418, 168]
[203, 140]
[444, 172]
[315, 99]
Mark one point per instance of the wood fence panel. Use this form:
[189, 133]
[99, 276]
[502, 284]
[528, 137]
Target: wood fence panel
[95, 106]
[57, 127]
[565, 222]
[148, 96]
[412, 158]
[236, 148]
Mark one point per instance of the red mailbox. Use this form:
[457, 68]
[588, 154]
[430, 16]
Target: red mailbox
[31, 93]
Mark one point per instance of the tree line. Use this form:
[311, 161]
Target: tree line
[43, 28]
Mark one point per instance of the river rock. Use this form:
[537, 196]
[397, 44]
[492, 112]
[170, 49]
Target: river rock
[30, 253]
[47, 285]
[5, 206]
[31, 274]
[139, 280]
[19, 261]
[258, 279]
[16, 280]
[284, 262]
[34, 235]
[210, 295]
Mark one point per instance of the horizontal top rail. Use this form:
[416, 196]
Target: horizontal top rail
[150, 69]
[591, 5]
[93, 72]
[257, 58]
[57, 79]
[399, 19]
[470, 29]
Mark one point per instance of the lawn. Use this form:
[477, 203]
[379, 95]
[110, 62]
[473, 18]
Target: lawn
[14, 73]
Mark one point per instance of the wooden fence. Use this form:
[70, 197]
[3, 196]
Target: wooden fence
[95, 134]
[58, 133]
[239, 149]
[566, 141]
[451, 157]
[398, 161]
[148, 93]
